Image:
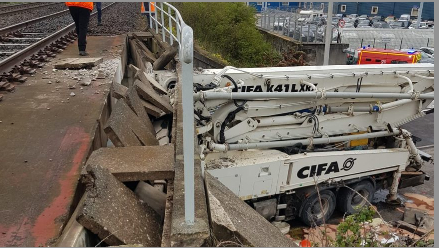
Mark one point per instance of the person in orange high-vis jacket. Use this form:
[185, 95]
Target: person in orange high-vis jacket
[80, 12]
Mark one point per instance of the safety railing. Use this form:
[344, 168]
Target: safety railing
[166, 18]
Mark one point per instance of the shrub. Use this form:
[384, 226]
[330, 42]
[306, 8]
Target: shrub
[228, 28]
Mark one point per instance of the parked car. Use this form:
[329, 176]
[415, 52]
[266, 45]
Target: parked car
[353, 16]
[422, 25]
[280, 23]
[399, 24]
[428, 50]
[320, 35]
[389, 19]
[305, 33]
[377, 18]
[364, 24]
[380, 25]
[404, 17]
[363, 17]
[349, 25]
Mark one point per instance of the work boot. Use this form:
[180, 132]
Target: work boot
[83, 53]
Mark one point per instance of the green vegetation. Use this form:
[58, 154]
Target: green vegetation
[228, 29]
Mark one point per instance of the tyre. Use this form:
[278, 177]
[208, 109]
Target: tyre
[350, 202]
[315, 214]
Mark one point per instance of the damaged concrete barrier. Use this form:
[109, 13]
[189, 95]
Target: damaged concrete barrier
[114, 213]
[124, 128]
[235, 221]
[135, 103]
[148, 93]
[136, 163]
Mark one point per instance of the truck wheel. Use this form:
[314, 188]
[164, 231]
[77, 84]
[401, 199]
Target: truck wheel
[314, 214]
[350, 202]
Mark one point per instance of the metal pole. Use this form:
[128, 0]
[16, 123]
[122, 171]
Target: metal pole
[163, 21]
[156, 19]
[373, 43]
[186, 53]
[301, 31]
[307, 38]
[170, 25]
[272, 144]
[419, 15]
[311, 95]
[328, 36]
[400, 46]
[428, 41]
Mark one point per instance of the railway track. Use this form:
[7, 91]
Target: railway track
[27, 46]
[4, 14]
[13, 7]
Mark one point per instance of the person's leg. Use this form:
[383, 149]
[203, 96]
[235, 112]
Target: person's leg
[99, 9]
[74, 13]
[84, 18]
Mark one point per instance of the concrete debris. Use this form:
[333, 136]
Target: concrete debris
[72, 86]
[149, 94]
[418, 218]
[149, 79]
[152, 110]
[86, 81]
[71, 94]
[114, 212]
[77, 63]
[136, 163]
[133, 100]
[124, 128]
[234, 220]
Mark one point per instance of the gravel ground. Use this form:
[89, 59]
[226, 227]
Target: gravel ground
[119, 19]
[31, 14]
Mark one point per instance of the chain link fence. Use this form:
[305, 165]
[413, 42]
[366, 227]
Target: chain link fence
[291, 24]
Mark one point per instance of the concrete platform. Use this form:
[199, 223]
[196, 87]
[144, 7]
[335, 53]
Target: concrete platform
[45, 137]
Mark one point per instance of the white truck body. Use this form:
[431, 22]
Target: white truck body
[255, 173]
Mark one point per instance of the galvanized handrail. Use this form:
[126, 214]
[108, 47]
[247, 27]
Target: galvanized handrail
[184, 38]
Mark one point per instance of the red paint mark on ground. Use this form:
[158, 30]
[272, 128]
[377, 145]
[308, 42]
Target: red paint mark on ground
[14, 235]
[45, 226]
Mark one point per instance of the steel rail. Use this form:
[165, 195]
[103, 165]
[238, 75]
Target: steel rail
[13, 6]
[15, 59]
[25, 9]
[18, 26]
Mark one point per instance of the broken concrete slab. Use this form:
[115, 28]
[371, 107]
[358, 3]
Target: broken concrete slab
[134, 102]
[165, 58]
[136, 163]
[118, 90]
[151, 109]
[115, 213]
[149, 94]
[149, 79]
[77, 63]
[152, 196]
[418, 218]
[234, 220]
[124, 128]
